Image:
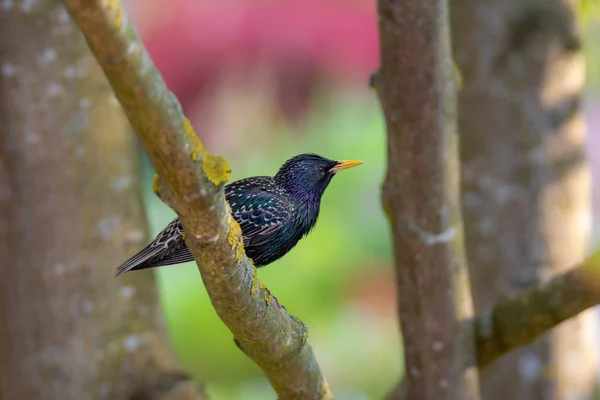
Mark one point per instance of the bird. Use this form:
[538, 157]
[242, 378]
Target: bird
[274, 213]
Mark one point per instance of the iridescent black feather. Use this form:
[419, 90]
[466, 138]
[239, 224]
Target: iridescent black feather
[274, 213]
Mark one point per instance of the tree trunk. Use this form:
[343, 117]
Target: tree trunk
[525, 179]
[70, 212]
[420, 195]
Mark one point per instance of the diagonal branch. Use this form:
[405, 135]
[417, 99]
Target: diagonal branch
[518, 320]
[191, 182]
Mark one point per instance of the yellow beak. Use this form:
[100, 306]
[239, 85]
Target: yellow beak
[345, 164]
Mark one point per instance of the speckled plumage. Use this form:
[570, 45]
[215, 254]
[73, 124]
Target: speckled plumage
[274, 213]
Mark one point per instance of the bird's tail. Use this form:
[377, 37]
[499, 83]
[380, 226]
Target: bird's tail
[167, 248]
[142, 260]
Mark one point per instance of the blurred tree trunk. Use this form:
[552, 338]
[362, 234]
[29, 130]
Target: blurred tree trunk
[524, 178]
[70, 212]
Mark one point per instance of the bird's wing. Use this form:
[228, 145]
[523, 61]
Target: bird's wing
[260, 208]
[167, 248]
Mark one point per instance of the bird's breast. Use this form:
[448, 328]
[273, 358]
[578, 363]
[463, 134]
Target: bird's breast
[300, 224]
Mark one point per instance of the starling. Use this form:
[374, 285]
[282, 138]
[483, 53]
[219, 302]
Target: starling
[274, 213]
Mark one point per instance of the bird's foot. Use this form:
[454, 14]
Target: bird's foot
[279, 305]
[270, 296]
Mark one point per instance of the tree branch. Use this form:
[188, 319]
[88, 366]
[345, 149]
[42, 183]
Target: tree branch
[518, 320]
[191, 182]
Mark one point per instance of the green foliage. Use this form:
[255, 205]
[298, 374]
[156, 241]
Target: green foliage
[589, 8]
[589, 16]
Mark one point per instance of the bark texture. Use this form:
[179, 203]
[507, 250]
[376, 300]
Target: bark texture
[70, 212]
[191, 180]
[524, 178]
[421, 197]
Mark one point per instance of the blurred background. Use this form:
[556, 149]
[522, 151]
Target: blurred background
[263, 81]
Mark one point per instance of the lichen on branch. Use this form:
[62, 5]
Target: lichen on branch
[520, 319]
[191, 182]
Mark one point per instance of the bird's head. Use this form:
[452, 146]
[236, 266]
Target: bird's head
[306, 176]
